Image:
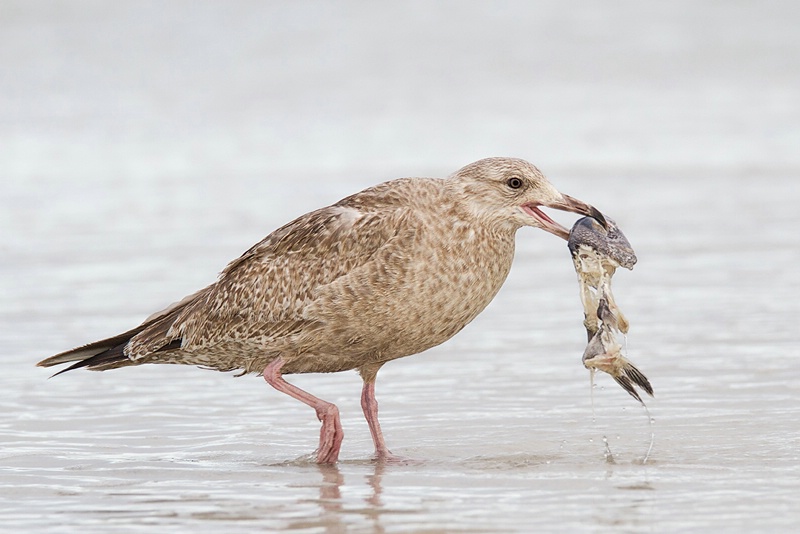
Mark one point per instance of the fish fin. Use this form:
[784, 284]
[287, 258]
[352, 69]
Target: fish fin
[626, 384]
[639, 379]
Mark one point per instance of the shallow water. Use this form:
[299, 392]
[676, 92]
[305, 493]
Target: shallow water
[106, 218]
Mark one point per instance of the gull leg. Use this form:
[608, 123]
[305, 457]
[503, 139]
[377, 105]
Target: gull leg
[370, 407]
[331, 434]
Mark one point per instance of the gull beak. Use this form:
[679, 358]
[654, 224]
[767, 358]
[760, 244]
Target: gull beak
[576, 206]
[565, 203]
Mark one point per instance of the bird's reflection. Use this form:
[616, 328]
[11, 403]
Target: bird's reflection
[330, 498]
[374, 481]
[330, 490]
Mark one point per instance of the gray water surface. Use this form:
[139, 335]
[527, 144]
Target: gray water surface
[142, 146]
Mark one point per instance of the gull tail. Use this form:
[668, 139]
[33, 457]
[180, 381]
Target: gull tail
[110, 353]
[98, 356]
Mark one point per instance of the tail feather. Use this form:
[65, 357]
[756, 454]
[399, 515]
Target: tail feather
[91, 349]
[99, 354]
[110, 353]
[108, 359]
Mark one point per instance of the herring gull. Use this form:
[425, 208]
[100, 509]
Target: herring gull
[388, 272]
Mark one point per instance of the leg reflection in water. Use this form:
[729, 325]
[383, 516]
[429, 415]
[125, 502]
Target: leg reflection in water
[337, 515]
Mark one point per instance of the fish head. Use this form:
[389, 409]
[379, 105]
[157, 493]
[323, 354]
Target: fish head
[608, 241]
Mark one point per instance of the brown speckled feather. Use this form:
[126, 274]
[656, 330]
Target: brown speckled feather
[326, 291]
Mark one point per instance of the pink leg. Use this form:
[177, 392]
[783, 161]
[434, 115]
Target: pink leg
[370, 407]
[331, 434]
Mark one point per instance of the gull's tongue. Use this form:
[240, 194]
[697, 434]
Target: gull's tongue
[547, 223]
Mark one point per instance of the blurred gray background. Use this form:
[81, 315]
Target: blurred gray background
[145, 144]
[124, 90]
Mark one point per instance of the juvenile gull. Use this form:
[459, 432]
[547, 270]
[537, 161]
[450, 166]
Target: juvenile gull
[388, 272]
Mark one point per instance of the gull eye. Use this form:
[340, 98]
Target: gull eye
[514, 182]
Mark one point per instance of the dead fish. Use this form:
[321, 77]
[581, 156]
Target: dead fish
[596, 254]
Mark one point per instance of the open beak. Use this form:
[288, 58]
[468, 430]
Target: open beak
[566, 203]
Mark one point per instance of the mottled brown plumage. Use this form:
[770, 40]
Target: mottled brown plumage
[385, 273]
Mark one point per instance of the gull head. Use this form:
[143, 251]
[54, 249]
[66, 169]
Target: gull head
[510, 192]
